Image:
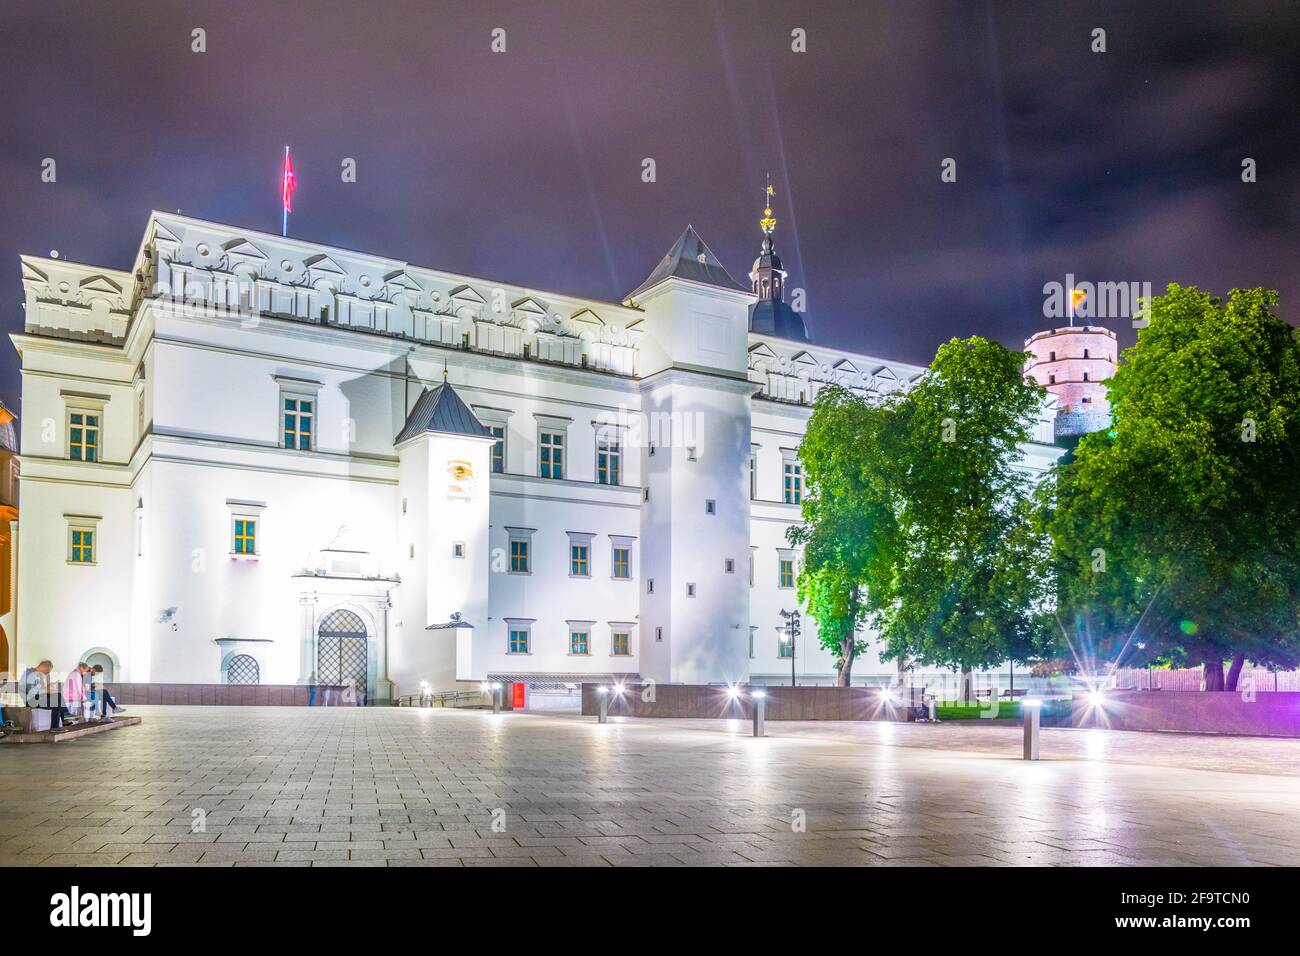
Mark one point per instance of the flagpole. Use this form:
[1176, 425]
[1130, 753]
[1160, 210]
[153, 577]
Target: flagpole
[284, 225]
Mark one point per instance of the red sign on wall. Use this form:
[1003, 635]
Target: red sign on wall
[517, 696]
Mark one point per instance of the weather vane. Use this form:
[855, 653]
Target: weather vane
[768, 222]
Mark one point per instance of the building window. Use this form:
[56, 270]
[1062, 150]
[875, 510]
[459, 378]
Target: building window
[786, 576]
[498, 448]
[1085, 353]
[1085, 376]
[710, 506]
[650, 586]
[579, 565]
[518, 640]
[298, 416]
[519, 556]
[83, 435]
[784, 646]
[751, 641]
[579, 642]
[1051, 380]
[550, 454]
[622, 563]
[609, 456]
[659, 635]
[729, 565]
[245, 536]
[690, 454]
[243, 669]
[458, 549]
[620, 644]
[793, 482]
[297, 412]
[690, 589]
[81, 545]
[753, 477]
[1053, 358]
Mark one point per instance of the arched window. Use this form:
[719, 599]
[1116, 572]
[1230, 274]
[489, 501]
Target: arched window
[243, 669]
[106, 662]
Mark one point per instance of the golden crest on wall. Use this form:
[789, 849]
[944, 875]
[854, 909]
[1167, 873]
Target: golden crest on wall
[461, 485]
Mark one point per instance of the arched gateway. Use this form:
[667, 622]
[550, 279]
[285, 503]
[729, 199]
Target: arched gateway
[341, 651]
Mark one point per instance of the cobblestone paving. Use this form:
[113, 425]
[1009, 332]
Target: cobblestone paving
[405, 787]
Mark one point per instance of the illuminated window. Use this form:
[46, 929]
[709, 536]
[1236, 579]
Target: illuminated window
[793, 482]
[609, 456]
[784, 646]
[550, 454]
[579, 565]
[81, 545]
[498, 448]
[83, 435]
[245, 536]
[622, 563]
[620, 644]
[579, 642]
[786, 573]
[519, 557]
[298, 416]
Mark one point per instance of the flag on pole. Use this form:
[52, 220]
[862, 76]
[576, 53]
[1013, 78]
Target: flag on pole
[288, 183]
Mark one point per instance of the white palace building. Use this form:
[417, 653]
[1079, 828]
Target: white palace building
[258, 459]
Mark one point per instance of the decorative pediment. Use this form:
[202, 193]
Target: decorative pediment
[466, 294]
[100, 283]
[401, 279]
[160, 231]
[31, 273]
[761, 350]
[323, 263]
[884, 371]
[242, 247]
[803, 358]
[588, 318]
[847, 367]
[528, 306]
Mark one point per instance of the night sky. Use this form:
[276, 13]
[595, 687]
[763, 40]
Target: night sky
[526, 166]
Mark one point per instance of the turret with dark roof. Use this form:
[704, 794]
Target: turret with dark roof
[440, 410]
[770, 315]
[690, 259]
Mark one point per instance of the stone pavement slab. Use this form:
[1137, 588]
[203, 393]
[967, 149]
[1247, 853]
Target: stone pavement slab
[214, 786]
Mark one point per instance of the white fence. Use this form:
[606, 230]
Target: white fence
[1189, 678]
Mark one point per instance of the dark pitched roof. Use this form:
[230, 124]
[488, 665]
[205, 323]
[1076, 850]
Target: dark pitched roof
[440, 409]
[690, 258]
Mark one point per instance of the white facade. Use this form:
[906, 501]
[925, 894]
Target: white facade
[217, 553]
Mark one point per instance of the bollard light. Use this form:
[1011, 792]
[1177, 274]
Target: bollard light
[496, 697]
[760, 706]
[1033, 708]
[602, 692]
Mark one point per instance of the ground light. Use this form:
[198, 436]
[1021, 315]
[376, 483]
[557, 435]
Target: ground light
[1033, 709]
[602, 694]
[760, 706]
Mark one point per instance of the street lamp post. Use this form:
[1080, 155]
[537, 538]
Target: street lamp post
[792, 617]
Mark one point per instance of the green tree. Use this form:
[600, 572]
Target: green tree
[850, 530]
[1177, 532]
[971, 585]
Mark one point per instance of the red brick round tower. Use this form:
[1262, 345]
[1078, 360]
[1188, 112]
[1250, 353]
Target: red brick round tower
[1072, 363]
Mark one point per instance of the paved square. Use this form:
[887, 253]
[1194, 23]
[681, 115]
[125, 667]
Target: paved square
[408, 787]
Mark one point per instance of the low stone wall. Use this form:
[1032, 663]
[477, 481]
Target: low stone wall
[783, 703]
[262, 695]
[1274, 714]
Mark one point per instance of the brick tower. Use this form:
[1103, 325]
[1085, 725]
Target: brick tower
[1072, 363]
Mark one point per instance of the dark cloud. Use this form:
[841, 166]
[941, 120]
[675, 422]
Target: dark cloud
[526, 166]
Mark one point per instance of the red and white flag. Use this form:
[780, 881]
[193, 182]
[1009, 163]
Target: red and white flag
[288, 182]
